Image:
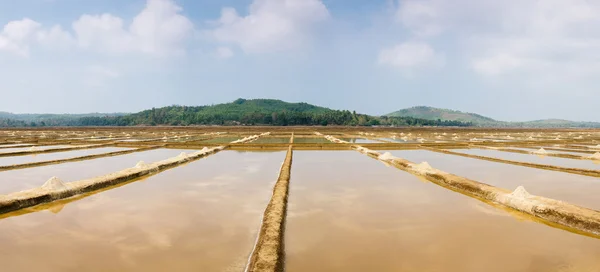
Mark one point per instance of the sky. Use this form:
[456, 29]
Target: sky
[512, 60]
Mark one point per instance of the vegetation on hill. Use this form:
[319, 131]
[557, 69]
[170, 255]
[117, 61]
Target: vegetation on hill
[277, 113]
[8, 119]
[431, 113]
[256, 112]
[238, 112]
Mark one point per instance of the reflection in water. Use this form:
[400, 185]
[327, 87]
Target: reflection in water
[575, 189]
[584, 164]
[201, 217]
[28, 178]
[56, 156]
[349, 213]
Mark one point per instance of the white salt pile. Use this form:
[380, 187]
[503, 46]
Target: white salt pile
[54, 184]
[387, 156]
[520, 192]
[540, 151]
[595, 156]
[423, 168]
[141, 164]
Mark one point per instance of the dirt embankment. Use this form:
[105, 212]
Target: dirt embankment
[268, 254]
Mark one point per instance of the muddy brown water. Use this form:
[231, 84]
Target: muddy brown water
[575, 189]
[57, 155]
[203, 216]
[28, 178]
[549, 151]
[360, 140]
[311, 140]
[41, 147]
[272, 140]
[348, 212]
[539, 159]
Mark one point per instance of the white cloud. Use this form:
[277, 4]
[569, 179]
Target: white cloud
[411, 56]
[224, 52]
[558, 39]
[271, 25]
[17, 35]
[158, 29]
[419, 16]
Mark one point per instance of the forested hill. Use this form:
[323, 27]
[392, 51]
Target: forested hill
[8, 119]
[431, 113]
[256, 112]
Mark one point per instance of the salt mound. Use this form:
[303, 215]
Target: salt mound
[520, 192]
[540, 151]
[205, 149]
[596, 156]
[33, 148]
[423, 168]
[182, 155]
[54, 184]
[164, 138]
[386, 156]
[141, 164]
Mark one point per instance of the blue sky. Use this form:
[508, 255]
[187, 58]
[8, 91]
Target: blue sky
[510, 60]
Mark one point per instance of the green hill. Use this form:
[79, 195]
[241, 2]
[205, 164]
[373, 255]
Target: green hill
[431, 113]
[257, 112]
[49, 119]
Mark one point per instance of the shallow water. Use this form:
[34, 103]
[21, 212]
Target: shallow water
[348, 212]
[41, 147]
[6, 146]
[575, 189]
[359, 140]
[312, 140]
[57, 155]
[203, 216]
[398, 140]
[28, 178]
[573, 163]
[220, 140]
[549, 151]
[272, 140]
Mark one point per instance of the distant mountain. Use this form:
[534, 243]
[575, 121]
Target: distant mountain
[35, 117]
[431, 113]
[257, 112]
[274, 112]
[8, 119]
